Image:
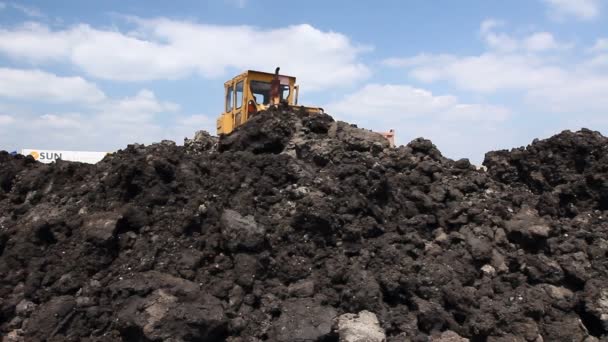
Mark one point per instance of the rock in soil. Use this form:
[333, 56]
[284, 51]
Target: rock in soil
[361, 327]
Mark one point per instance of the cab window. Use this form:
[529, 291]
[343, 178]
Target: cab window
[239, 95]
[261, 91]
[284, 92]
[229, 99]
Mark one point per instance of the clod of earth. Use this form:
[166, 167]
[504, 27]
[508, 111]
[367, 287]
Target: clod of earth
[361, 327]
[303, 228]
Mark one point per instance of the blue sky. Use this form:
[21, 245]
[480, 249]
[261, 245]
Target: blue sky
[472, 76]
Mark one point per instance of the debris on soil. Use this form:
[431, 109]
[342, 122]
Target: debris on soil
[361, 327]
[303, 228]
[201, 142]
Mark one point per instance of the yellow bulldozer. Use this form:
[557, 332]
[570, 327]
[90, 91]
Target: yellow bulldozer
[253, 91]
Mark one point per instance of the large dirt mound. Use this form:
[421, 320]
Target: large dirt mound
[569, 171]
[299, 228]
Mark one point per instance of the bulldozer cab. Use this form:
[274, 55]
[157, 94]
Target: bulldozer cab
[252, 91]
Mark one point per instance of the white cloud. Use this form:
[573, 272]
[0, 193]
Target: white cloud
[238, 3]
[59, 121]
[27, 10]
[541, 41]
[198, 120]
[580, 9]
[35, 42]
[458, 129]
[140, 108]
[488, 25]
[103, 123]
[87, 131]
[504, 42]
[601, 44]
[418, 60]
[546, 83]
[486, 73]
[396, 102]
[131, 119]
[531, 74]
[106, 126]
[44, 86]
[6, 119]
[598, 62]
[170, 49]
[94, 131]
[498, 41]
[584, 93]
[31, 12]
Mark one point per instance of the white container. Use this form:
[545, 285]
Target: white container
[49, 156]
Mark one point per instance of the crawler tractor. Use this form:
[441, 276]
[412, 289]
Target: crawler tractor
[254, 91]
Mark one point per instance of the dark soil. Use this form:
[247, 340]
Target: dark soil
[271, 233]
